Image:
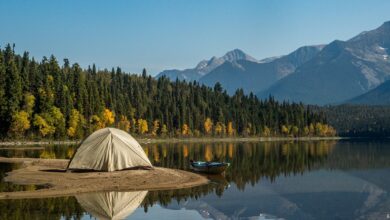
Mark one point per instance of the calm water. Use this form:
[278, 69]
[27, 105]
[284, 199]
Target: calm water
[273, 180]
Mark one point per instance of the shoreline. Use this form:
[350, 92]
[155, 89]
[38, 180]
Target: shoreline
[143, 140]
[52, 173]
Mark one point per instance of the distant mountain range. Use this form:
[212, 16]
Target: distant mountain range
[341, 71]
[206, 66]
[255, 76]
[237, 69]
[325, 74]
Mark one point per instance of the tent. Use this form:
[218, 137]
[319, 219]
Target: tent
[111, 205]
[109, 149]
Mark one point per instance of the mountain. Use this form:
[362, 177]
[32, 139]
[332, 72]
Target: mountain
[256, 76]
[341, 71]
[378, 96]
[206, 66]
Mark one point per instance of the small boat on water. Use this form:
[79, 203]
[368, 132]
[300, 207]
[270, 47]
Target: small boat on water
[208, 167]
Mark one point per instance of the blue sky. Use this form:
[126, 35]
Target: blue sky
[165, 34]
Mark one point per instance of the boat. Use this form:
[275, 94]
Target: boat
[209, 167]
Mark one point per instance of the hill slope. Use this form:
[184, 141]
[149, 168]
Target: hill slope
[378, 96]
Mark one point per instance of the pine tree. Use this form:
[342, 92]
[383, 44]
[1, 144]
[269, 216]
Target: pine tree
[13, 87]
[69, 101]
[3, 98]
[80, 89]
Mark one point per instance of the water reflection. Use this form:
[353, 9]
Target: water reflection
[46, 152]
[43, 209]
[286, 180]
[10, 187]
[111, 205]
[249, 161]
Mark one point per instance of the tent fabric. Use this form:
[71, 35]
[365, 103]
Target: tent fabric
[111, 205]
[109, 149]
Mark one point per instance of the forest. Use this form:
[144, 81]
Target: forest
[46, 100]
[358, 120]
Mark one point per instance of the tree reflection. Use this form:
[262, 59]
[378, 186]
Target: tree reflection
[49, 208]
[249, 161]
[48, 152]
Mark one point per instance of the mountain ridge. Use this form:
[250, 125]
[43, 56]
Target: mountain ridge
[253, 77]
[341, 71]
[205, 66]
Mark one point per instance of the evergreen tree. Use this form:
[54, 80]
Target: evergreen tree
[71, 102]
[13, 86]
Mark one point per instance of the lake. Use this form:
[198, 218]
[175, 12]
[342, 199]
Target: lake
[346, 179]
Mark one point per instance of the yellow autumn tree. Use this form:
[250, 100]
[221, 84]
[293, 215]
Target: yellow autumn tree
[285, 130]
[266, 131]
[73, 123]
[208, 126]
[312, 130]
[156, 126]
[324, 130]
[44, 128]
[142, 126]
[230, 129]
[185, 130]
[295, 131]
[20, 123]
[196, 133]
[96, 123]
[306, 131]
[29, 103]
[124, 123]
[218, 128]
[248, 130]
[164, 130]
[76, 124]
[319, 129]
[108, 117]
[57, 119]
[330, 131]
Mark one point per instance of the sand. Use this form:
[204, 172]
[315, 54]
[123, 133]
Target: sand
[51, 173]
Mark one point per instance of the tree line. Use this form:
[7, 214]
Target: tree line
[358, 120]
[41, 99]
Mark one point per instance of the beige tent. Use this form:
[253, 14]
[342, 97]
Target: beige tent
[109, 149]
[111, 205]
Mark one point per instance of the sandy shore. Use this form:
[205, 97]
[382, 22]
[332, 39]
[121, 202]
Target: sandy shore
[51, 172]
[143, 140]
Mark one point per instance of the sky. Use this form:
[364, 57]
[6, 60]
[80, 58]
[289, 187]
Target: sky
[177, 34]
